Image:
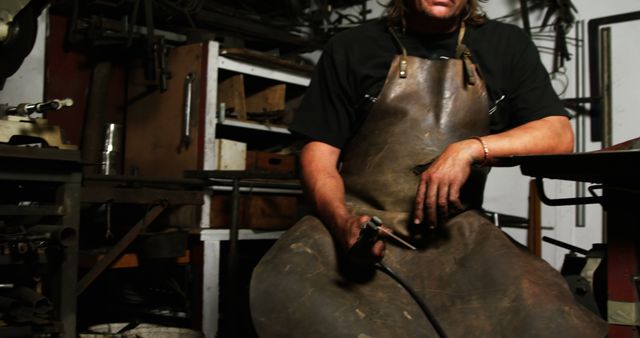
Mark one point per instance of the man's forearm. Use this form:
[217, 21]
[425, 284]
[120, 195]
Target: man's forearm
[551, 135]
[327, 195]
[323, 183]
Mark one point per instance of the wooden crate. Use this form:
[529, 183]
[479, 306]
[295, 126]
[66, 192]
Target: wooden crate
[268, 99]
[256, 211]
[266, 161]
[231, 92]
[244, 96]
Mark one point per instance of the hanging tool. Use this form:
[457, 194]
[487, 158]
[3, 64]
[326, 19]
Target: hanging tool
[185, 140]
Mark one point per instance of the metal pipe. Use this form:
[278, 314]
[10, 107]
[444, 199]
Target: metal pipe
[95, 117]
[65, 236]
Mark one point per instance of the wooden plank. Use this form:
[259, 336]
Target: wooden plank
[534, 233]
[269, 99]
[256, 212]
[231, 92]
[271, 162]
[154, 125]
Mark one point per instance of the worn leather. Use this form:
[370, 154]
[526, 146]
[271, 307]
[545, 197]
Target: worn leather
[475, 280]
[412, 122]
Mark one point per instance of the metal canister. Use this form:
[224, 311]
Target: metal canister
[112, 150]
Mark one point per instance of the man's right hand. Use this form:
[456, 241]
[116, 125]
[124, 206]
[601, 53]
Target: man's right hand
[347, 232]
[325, 188]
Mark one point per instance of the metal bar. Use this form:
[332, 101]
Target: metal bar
[233, 259]
[101, 194]
[565, 245]
[563, 201]
[117, 249]
[40, 210]
[261, 190]
[143, 180]
[68, 278]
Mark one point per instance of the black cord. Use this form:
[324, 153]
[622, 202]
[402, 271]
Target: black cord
[423, 306]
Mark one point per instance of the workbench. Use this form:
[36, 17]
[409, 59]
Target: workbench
[617, 189]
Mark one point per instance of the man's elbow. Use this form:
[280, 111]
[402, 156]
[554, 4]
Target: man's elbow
[564, 134]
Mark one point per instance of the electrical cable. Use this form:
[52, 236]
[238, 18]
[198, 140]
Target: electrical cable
[423, 306]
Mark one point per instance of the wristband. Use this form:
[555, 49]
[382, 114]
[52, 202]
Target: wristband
[485, 149]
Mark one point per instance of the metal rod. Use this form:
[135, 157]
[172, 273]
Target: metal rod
[565, 245]
[580, 208]
[563, 201]
[605, 87]
[605, 81]
[261, 190]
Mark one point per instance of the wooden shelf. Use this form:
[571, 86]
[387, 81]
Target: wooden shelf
[254, 125]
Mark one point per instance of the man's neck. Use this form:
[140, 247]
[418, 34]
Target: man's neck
[426, 25]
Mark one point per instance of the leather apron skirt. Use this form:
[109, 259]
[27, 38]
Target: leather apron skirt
[475, 279]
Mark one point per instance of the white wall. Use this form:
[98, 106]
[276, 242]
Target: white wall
[507, 190]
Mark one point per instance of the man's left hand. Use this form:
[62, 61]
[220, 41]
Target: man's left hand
[439, 187]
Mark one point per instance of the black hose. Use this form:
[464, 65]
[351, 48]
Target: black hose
[423, 306]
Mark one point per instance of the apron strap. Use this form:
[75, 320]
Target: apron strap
[403, 57]
[462, 52]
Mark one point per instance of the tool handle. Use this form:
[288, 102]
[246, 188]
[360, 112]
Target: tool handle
[366, 238]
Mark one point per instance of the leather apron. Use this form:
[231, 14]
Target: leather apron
[423, 106]
[476, 280]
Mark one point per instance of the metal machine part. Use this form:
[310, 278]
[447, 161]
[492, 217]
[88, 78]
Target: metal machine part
[8, 11]
[22, 125]
[26, 109]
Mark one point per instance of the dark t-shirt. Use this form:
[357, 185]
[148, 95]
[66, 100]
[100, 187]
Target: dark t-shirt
[354, 65]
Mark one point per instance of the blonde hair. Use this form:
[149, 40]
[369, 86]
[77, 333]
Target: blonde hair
[472, 13]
